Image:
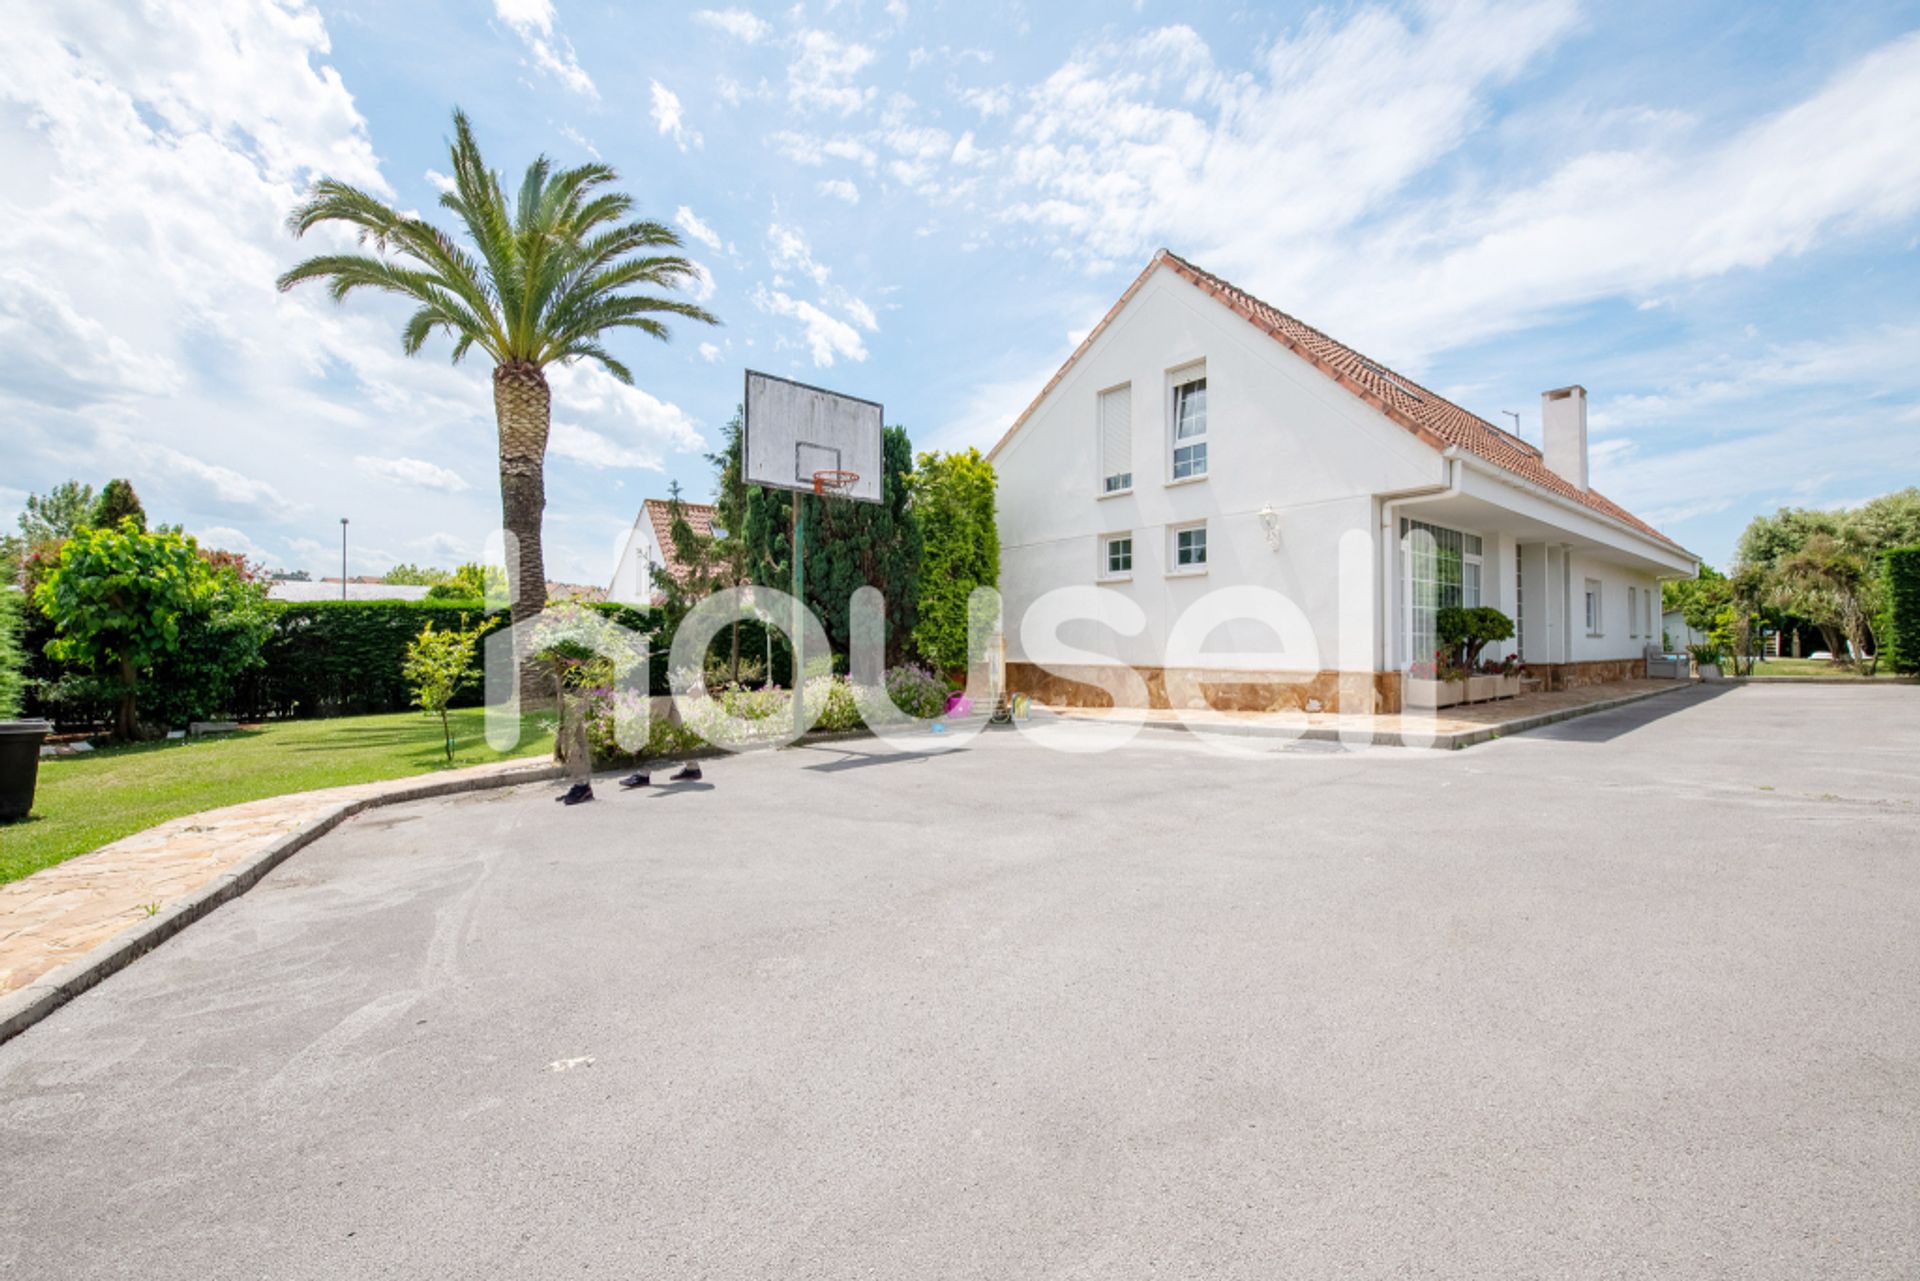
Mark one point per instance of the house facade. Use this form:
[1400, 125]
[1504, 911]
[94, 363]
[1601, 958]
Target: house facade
[649, 546]
[1246, 512]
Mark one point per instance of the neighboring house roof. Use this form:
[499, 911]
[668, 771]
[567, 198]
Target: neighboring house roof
[558, 591]
[659, 513]
[1433, 418]
[288, 589]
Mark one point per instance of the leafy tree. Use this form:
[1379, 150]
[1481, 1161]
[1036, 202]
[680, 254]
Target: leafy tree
[13, 659]
[126, 602]
[849, 545]
[559, 267]
[439, 665]
[405, 575]
[953, 499]
[118, 502]
[471, 582]
[1832, 579]
[62, 512]
[1699, 600]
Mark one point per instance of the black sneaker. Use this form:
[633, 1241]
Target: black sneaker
[577, 793]
[632, 781]
[688, 773]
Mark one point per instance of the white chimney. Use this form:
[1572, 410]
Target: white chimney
[1563, 424]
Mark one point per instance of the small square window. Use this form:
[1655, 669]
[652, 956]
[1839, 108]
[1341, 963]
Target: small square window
[1190, 460]
[1117, 555]
[1190, 548]
[1119, 483]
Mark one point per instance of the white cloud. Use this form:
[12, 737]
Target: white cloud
[820, 78]
[647, 426]
[840, 189]
[213, 484]
[584, 445]
[709, 353]
[738, 23]
[443, 182]
[670, 119]
[416, 473]
[700, 286]
[965, 152]
[827, 337]
[690, 223]
[228, 539]
[787, 249]
[533, 22]
[1145, 141]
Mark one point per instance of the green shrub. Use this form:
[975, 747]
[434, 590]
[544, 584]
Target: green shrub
[13, 659]
[1464, 631]
[953, 496]
[1900, 572]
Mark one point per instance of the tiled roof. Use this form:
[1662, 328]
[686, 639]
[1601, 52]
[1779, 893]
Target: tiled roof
[660, 512]
[1429, 416]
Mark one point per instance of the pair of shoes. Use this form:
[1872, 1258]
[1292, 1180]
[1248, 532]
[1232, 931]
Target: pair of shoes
[632, 781]
[577, 793]
[688, 773]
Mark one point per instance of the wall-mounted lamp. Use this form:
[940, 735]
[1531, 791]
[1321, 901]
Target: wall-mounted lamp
[1270, 526]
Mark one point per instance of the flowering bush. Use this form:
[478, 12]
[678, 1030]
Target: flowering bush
[916, 691]
[1423, 671]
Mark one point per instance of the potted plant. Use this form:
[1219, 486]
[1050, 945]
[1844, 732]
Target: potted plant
[1706, 660]
[1430, 684]
[1513, 675]
[19, 766]
[1465, 631]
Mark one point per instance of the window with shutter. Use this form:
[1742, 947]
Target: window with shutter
[1116, 440]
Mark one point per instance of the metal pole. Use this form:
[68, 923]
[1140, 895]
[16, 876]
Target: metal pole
[799, 614]
[343, 558]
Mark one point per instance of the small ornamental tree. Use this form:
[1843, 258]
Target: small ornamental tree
[1900, 573]
[439, 665]
[121, 600]
[953, 498]
[1464, 631]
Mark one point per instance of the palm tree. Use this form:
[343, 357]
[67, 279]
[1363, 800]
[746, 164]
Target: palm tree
[556, 270]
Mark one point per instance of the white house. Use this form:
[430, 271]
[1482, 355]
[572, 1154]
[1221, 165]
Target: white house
[649, 546]
[1200, 439]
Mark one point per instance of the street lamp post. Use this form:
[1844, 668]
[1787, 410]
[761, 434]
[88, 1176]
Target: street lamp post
[343, 558]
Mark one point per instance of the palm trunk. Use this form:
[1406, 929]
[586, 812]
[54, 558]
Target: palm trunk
[523, 411]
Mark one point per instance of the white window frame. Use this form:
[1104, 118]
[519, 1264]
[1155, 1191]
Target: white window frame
[1100, 443]
[1421, 601]
[1633, 612]
[1192, 372]
[1595, 608]
[1174, 568]
[1104, 570]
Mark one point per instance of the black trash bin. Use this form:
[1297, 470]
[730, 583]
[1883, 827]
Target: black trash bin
[19, 766]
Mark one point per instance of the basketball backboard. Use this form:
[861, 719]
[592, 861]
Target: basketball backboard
[793, 431]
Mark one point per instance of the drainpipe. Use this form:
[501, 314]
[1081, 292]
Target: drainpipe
[1389, 539]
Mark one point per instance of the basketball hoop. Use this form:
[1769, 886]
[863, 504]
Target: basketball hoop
[832, 481]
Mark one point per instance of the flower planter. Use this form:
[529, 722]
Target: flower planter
[1709, 671]
[1510, 686]
[1432, 693]
[19, 766]
[1482, 688]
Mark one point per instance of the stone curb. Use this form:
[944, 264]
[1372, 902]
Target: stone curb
[21, 1009]
[1868, 682]
[1452, 741]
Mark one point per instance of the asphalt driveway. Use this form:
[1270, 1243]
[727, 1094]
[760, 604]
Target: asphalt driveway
[1637, 995]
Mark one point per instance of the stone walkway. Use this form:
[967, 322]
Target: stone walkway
[62, 913]
[1495, 716]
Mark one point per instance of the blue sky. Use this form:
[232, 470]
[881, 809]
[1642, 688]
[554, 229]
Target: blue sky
[1707, 214]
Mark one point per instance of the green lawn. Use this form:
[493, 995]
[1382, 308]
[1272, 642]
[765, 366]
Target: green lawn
[85, 801]
[1814, 667]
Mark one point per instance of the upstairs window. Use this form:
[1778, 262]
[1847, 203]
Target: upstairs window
[1116, 556]
[1190, 423]
[1116, 440]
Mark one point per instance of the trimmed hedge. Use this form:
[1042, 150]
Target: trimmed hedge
[343, 658]
[13, 659]
[1901, 647]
